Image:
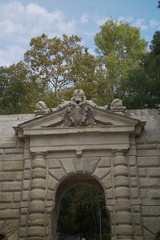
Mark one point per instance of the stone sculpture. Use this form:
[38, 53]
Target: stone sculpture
[41, 108]
[78, 111]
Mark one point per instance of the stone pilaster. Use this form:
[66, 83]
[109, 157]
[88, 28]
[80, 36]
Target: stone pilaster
[123, 215]
[37, 221]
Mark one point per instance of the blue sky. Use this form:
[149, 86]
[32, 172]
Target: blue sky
[22, 20]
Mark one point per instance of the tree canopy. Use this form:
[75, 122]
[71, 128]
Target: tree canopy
[80, 211]
[119, 48]
[53, 67]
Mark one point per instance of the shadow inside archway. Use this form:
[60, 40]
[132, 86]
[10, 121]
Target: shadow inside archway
[80, 210]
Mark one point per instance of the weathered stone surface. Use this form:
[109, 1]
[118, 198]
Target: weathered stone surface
[43, 159]
[90, 165]
[37, 206]
[57, 173]
[9, 213]
[123, 217]
[7, 176]
[68, 165]
[38, 194]
[11, 186]
[6, 197]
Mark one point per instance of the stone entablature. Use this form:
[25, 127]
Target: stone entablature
[42, 156]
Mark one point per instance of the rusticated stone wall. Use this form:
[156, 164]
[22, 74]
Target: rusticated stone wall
[35, 172]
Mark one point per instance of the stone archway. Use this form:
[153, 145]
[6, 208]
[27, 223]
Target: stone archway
[65, 185]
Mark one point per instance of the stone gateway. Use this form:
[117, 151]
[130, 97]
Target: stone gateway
[45, 153]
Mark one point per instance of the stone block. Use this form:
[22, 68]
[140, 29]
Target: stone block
[120, 160]
[121, 181]
[147, 161]
[6, 197]
[90, 164]
[9, 214]
[133, 171]
[149, 182]
[107, 181]
[101, 172]
[27, 174]
[137, 218]
[153, 172]
[38, 162]
[36, 231]
[57, 173]
[109, 193]
[123, 217]
[148, 235]
[11, 186]
[134, 181]
[13, 166]
[122, 205]
[151, 223]
[151, 210]
[26, 184]
[25, 195]
[68, 165]
[19, 176]
[134, 192]
[121, 192]
[37, 219]
[39, 173]
[124, 230]
[38, 183]
[120, 170]
[27, 164]
[7, 176]
[104, 162]
[54, 163]
[51, 183]
[23, 220]
[142, 172]
[79, 164]
[17, 196]
[37, 206]
[138, 231]
[131, 160]
[50, 195]
[38, 194]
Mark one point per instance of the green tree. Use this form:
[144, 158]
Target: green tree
[158, 4]
[80, 208]
[119, 48]
[141, 89]
[57, 62]
[13, 89]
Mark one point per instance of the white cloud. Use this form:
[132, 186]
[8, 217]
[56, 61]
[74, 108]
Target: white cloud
[33, 19]
[125, 19]
[84, 18]
[101, 21]
[12, 54]
[20, 23]
[154, 23]
[139, 23]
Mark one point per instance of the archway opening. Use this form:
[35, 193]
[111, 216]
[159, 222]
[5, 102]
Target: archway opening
[81, 210]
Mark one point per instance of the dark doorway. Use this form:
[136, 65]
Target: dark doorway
[83, 214]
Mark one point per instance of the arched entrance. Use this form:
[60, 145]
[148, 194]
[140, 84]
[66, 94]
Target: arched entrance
[64, 186]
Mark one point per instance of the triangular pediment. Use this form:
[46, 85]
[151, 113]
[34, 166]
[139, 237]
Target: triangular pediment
[104, 121]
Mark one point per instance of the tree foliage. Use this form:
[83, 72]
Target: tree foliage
[57, 62]
[141, 89]
[80, 211]
[119, 48]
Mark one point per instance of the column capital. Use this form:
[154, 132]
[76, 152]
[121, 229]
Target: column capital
[39, 154]
[119, 152]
